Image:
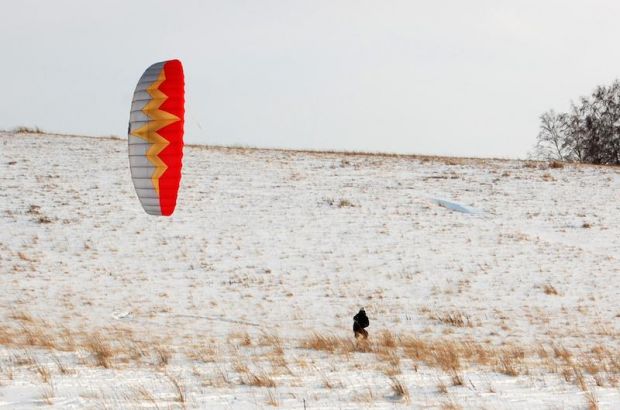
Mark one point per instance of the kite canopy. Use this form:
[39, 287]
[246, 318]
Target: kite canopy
[156, 136]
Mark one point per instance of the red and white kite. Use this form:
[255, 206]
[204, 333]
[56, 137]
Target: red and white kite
[156, 136]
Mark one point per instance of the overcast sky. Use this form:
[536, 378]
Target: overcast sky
[444, 77]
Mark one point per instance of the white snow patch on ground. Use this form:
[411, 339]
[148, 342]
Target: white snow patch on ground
[267, 248]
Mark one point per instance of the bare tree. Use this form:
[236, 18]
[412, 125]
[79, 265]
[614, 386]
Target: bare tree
[590, 132]
[552, 138]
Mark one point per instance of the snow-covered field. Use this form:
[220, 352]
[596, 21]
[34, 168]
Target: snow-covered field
[488, 283]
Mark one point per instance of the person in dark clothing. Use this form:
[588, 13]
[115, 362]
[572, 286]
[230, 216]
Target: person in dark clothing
[360, 323]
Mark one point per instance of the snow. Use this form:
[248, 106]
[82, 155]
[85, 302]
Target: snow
[280, 245]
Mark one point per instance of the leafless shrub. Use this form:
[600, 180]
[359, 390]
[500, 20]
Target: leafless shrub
[27, 130]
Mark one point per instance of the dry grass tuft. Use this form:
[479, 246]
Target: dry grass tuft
[246, 340]
[272, 398]
[272, 340]
[162, 355]
[549, 289]
[457, 319]
[100, 349]
[42, 371]
[345, 203]
[142, 394]
[450, 406]
[60, 365]
[27, 130]
[366, 397]
[400, 391]
[48, 394]
[591, 400]
[178, 389]
[442, 387]
[548, 177]
[446, 356]
[219, 379]
[22, 316]
[387, 339]
[257, 380]
[510, 361]
[7, 335]
[320, 342]
[38, 334]
[205, 354]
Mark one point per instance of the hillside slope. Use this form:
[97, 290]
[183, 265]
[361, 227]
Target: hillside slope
[269, 255]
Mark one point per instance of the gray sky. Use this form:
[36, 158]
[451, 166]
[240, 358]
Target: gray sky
[444, 77]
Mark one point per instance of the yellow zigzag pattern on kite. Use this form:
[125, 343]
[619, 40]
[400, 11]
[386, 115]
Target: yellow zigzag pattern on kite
[149, 131]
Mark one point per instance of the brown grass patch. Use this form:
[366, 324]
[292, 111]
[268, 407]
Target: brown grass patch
[162, 356]
[556, 165]
[323, 343]
[100, 349]
[549, 289]
[257, 379]
[455, 318]
[27, 130]
[510, 361]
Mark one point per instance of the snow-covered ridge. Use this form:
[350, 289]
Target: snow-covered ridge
[268, 247]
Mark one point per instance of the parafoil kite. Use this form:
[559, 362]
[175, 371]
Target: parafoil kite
[156, 136]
